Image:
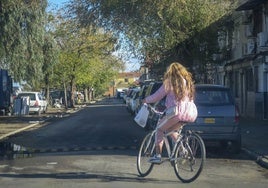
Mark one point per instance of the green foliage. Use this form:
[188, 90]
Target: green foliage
[156, 27]
[22, 38]
[86, 59]
[48, 50]
[51, 53]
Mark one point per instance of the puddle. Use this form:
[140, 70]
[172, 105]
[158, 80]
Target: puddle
[13, 151]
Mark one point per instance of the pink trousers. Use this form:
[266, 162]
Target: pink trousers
[167, 125]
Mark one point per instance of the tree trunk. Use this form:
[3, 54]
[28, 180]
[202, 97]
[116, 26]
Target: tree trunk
[72, 84]
[86, 95]
[65, 95]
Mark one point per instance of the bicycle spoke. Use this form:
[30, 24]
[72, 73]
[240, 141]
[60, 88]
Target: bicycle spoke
[189, 157]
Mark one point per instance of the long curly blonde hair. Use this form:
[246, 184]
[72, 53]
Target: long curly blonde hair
[174, 80]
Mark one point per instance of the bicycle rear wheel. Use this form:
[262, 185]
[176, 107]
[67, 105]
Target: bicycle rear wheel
[145, 152]
[189, 159]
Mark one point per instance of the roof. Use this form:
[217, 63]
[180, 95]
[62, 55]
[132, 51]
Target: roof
[250, 4]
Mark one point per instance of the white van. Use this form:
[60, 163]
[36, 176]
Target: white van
[38, 103]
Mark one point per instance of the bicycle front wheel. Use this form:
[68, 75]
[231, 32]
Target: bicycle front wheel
[145, 152]
[189, 158]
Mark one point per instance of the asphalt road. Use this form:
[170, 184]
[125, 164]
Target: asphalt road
[95, 127]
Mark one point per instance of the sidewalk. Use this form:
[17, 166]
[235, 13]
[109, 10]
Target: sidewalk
[255, 139]
[11, 125]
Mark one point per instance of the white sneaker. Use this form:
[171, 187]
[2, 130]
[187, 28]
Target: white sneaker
[155, 159]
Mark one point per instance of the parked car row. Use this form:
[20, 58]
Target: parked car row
[136, 95]
[218, 116]
[131, 99]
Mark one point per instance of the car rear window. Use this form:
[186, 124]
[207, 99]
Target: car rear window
[31, 95]
[213, 96]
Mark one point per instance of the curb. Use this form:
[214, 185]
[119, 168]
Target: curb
[60, 150]
[262, 161]
[19, 152]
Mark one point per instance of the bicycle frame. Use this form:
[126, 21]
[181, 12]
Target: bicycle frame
[170, 151]
[165, 138]
[151, 139]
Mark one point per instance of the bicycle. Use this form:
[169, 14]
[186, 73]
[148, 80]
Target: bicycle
[187, 155]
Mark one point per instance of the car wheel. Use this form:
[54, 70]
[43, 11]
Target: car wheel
[236, 146]
[233, 146]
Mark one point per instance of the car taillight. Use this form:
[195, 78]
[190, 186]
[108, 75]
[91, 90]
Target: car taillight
[36, 103]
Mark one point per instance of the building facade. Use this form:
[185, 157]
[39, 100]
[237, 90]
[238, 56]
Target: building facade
[122, 82]
[242, 60]
[246, 72]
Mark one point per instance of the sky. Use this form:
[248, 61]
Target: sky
[57, 2]
[131, 64]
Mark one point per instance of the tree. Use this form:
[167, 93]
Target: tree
[155, 27]
[83, 56]
[50, 52]
[22, 34]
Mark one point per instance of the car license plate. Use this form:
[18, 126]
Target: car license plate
[209, 120]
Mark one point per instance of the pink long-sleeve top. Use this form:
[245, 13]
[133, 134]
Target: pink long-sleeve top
[160, 94]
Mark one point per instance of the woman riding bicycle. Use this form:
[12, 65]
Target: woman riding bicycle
[177, 86]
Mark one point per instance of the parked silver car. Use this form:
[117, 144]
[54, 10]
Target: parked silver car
[129, 98]
[133, 101]
[218, 117]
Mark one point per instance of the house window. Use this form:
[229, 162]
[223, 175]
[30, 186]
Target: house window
[126, 79]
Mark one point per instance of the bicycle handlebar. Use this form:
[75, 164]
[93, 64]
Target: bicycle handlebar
[153, 109]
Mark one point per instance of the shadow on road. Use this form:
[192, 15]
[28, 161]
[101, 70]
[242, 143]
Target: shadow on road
[103, 177]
